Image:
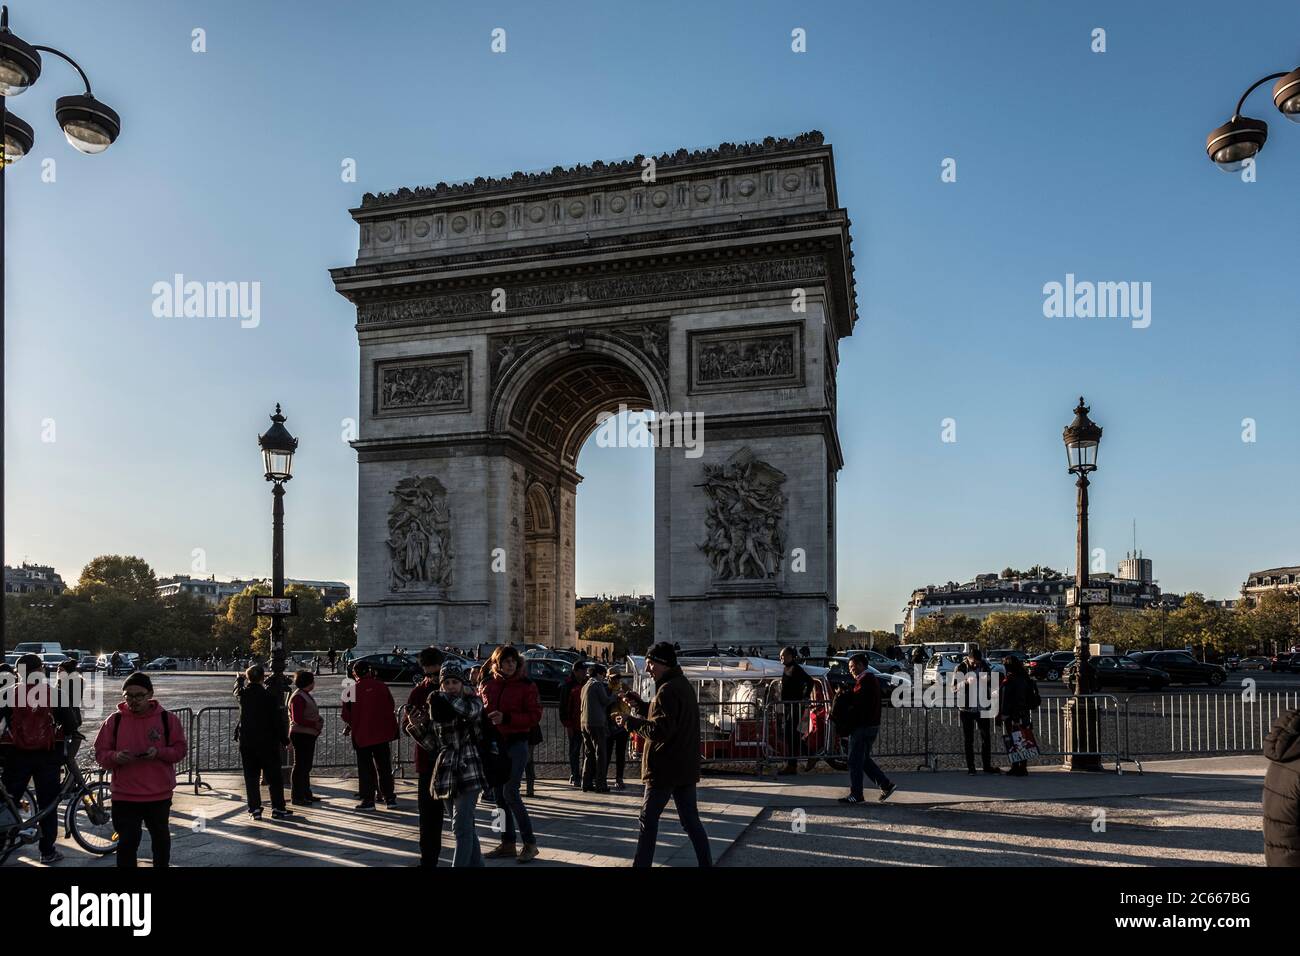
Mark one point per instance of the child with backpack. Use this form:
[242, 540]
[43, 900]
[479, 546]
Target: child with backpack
[36, 725]
[141, 743]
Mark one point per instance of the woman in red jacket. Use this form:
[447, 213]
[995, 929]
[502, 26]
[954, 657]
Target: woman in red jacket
[368, 710]
[512, 704]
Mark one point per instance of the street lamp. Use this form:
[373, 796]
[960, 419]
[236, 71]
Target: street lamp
[277, 447]
[1082, 441]
[88, 124]
[1242, 137]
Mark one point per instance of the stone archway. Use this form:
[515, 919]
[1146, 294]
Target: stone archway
[499, 318]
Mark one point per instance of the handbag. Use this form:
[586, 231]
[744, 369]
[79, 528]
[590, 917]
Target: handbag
[493, 756]
[1021, 743]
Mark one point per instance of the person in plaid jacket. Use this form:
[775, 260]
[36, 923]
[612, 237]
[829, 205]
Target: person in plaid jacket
[451, 732]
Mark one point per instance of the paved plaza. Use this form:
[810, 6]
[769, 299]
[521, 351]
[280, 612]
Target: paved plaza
[1177, 813]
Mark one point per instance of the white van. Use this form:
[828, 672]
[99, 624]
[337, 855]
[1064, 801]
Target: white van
[38, 647]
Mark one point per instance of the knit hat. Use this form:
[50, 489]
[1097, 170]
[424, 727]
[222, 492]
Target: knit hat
[663, 653]
[138, 679]
[451, 671]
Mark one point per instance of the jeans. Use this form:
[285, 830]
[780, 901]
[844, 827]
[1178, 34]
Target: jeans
[860, 761]
[461, 808]
[431, 817]
[375, 773]
[304, 754]
[575, 751]
[688, 812]
[42, 766]
[616, 751]
[595, 760]
[530, 770]
[508, 797]
[128, 819]
[968, 721]
[256, 762]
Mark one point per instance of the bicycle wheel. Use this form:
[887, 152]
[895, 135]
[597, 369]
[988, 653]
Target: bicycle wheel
[91, 819]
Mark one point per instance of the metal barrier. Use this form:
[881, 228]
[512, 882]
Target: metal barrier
[1213, 722]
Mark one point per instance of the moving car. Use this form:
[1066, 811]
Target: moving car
[1111, 670]
[1181, 667]
[1254, 664]
[549, 674]
[1285, 664]
[1000, 654]
[127, 661]
[1049, 666]
[163, 664]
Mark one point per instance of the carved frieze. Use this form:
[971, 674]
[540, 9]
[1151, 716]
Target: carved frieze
[744, 518]
[415, 386]
[755, 357]
[419, 536]
[660, 285]
[650, 339]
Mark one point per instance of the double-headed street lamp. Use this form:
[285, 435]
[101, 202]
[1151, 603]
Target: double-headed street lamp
[1242, 137]
[1082, 441]
[277, 447]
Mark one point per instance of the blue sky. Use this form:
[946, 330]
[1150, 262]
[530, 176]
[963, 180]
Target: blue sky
[1068, 161]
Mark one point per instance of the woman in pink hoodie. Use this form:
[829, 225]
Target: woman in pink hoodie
[141, 743]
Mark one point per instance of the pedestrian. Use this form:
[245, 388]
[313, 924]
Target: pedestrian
[414, 713]
[918, 664]
[315, 664]
[305, 725]
[594, 720]
[571, 718]
[1019, 696]
[856, 715]
[515, 708]
[450, 730]
[333, 658]
[670, 767]
[972, 713]
[261, 733]
[37, 725]
[616, 748]
[1282, 791]
[796, 689]
[368, 711]
[141, 743]
[114, 663]
[814, 738]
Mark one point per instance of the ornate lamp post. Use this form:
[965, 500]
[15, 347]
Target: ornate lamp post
[277, 447]
[1082, 441]
[89, 125]
[1241, 138]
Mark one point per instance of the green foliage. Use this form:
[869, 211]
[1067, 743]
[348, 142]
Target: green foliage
[942, 629]
[592, 616]
[1016, 630]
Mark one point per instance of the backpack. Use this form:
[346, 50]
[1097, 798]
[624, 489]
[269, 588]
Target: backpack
[167, 727]
[33, 728]
[1034, 699]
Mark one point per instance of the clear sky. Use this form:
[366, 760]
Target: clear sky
[1068, 161]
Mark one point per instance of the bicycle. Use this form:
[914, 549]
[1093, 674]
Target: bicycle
[88, 818]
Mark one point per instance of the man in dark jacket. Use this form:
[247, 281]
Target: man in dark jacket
[571, 718]
[670, 767]
[856, 715]
[972, 715]
[796, 688]
[430, 807]
[1282, 791]
[262, 732]
[594, 719]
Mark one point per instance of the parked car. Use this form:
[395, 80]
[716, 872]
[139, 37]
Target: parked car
[1254, 664]
[940, 666]
[163, 664]
[51, 662]
[1111, 670]
[1181, 667]
[393, 668]
[1285, 663]
[549, 674]
[1049, 666]
[127, 661]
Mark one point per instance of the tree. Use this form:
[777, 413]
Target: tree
[1015, 630]
[341, 624]
[592, 616]
[941, 629]
[1272, 624]
[639, 631]
[116, 575]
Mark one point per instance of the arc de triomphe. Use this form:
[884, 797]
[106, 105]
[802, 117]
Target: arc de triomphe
[498, 318]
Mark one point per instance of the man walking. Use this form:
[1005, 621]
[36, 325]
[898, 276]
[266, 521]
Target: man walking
[670, 767]
[414, 721]
[594, 722]
[856, 715]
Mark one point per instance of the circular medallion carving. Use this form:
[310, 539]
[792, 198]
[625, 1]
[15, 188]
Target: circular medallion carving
[660, 198]
[576, 209]
[459, 223]
[421, 229]
[537, 214]
[702, 193]
[497, 219]
[385, 233]
[790, 182]
[617, 204]
[746, 187]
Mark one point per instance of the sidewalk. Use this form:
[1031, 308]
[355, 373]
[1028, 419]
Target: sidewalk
[943, 818]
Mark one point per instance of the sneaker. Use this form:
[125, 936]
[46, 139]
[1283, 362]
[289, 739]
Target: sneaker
[282, 814]
[528, 853]
[575, 782]
[993, 770]
[887, 791]
[301, 803]
[390, 804]
[256, 814]
[55, 855]
[620, 786]
[851, 799]
[504, 850]
[366, 805]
